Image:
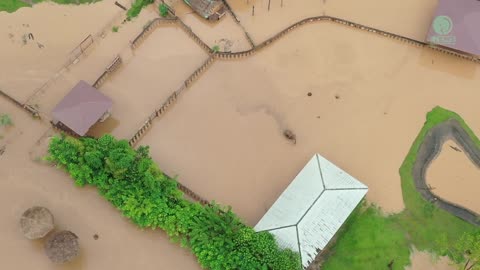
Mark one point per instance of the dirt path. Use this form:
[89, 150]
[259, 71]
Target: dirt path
[429, 150]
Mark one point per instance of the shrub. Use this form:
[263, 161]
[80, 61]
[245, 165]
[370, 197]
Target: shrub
[5, 120]
[216, 48]
[133, 183]
[137, 7]
[115, 29]
[163, 9]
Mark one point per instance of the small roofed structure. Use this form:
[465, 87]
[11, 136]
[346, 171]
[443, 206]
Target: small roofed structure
[212, 10]
[62, 247]
[36, 222]
[456, 26]
[312, 208]
[81, 108]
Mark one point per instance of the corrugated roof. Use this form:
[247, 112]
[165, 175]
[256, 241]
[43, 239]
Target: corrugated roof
[82, 107]
[204, 8]
[312, 208]
[456, 25]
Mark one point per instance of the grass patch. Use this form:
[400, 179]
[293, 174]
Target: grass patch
[115, 29]
[371, 240]
[368, 240]
[13, 5]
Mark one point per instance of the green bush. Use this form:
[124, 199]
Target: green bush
[133, 183]
[163, 9]
[115, 29]
[137, 7]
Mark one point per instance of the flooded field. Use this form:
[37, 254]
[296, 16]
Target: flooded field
[454, 177]
[29, 61]
[354, 97]
[91, 65]
[227, 35]
[224, 137]
[158, 67]
[26, 183]
[410, 18]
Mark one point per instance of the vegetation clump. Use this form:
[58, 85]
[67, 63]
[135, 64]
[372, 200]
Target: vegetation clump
[371, 239]
[136, 7]
[163, 9]
[133, 183]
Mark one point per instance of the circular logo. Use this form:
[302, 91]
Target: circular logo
[442, 25]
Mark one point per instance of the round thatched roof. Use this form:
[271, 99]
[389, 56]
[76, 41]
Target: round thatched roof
[62, 247]
[36, 222]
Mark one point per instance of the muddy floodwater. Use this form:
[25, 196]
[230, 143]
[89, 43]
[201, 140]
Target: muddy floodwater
[224, 137]
[354, 97]
[26, 182]
[454, 177]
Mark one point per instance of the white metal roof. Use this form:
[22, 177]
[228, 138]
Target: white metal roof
[312, 208]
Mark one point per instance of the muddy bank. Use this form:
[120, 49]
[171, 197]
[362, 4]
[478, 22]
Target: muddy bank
[429, 150]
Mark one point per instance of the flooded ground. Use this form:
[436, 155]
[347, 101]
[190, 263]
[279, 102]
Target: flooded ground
[26, 183]
[458, 183]
[346, 94]
[411, 18]
[227, 35]
[56, 30]
[224, 137]
[158, 67]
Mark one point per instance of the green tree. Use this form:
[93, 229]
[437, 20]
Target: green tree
[465, 252]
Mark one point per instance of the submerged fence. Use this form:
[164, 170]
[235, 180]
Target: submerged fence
[112, 67]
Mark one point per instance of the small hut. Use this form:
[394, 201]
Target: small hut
[62, 247]
[36, 222]
[81, 108]
[211, 10]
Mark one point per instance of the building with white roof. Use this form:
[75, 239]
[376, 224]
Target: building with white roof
[312, 208]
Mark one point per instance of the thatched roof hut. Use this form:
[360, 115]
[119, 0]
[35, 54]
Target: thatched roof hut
[208, 9]
[62, 247]
[36, 222]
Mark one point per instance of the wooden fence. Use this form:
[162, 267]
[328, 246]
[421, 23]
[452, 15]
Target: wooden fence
[112, 67]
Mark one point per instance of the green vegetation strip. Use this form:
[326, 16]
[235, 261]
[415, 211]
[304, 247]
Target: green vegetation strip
[133, 183]
[14, 5]
[372, 240]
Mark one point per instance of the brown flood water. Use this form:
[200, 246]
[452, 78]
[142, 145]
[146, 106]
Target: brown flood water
[26, 183]
[56, 29]
[455, 178]
[410, 17]
[224, 137]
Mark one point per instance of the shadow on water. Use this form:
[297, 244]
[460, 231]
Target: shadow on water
[104, 127]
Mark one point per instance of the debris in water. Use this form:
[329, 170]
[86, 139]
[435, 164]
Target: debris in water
[2, 150]
[290, 135]
[337, 96]
[95, 236]
[309, 94]
[455, 148]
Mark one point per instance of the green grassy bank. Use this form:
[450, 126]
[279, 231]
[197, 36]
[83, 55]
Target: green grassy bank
[371, 240]
[13, 5]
